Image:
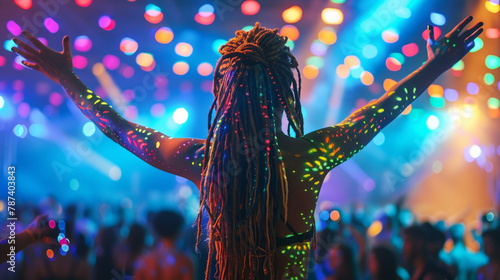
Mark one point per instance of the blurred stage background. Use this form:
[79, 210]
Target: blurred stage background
[153, 61]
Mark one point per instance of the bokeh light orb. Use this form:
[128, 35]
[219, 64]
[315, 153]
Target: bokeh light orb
[164, 35]
[290, 31]
[180, 68]
[24, 4]
[390, 35]
[180, 115]
[83, 3]
[144, 59]
[327, 36]
[183, 49]
[82, 43]
[250, 7]
[475, 151]
[432, 122]
[369, 51]
[292, 14]
[205, 69]
[332, 16]
[128, 46]
[310, 71]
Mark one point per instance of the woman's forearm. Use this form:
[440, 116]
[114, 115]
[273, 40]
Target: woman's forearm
[94, 108]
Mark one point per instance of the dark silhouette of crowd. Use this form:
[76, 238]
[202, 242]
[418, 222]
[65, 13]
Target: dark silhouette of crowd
[105, 243]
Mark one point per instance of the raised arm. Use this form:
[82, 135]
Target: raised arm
[335, 144]
[179, 156]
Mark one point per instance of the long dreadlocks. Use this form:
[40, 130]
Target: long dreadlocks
[242, 167]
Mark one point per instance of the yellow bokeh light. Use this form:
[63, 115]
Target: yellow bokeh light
[310, 71]
[335, 215]
[183, 49]
[343, 71]
[180, 68]
[327, 36]
[375, 228]
[332, 16]
[352, 61]
[290, 31]
[144, 59]
[164, 35]
[435, 90]
[388, 83]
[292, 14]
[493, 8]
[367, 78]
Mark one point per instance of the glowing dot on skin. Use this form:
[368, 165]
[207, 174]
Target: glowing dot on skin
[437, 166]
[180, 115]
[332, 16]
[475, 151]
[432, 122]
[115, 173]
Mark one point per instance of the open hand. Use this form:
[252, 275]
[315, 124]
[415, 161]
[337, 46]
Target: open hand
[449, 49]
[51, 63]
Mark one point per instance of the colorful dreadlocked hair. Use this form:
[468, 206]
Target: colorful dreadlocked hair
[242, 167]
